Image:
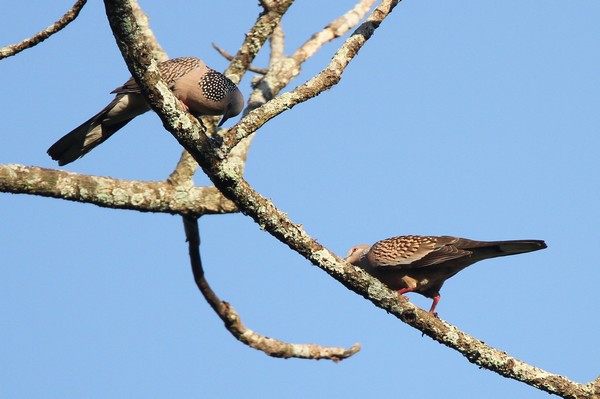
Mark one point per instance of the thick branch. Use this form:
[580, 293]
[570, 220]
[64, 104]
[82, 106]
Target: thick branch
[107, 192]
[69, 16]
[233, 323]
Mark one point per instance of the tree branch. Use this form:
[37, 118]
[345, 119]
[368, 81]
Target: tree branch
[321, 82]
[148, 36]
[258, 96]
[107, 192]
[184, 171]
[282, 69]
[233, 323]
[229, 57]
[256, 37]
[335, 29]
[69, 16]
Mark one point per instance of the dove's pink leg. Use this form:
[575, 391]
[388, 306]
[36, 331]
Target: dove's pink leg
[184, 105]
[403, 291]
[436, 299]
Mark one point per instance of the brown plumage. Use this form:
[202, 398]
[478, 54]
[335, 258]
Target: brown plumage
[423, 263]
[202, 90]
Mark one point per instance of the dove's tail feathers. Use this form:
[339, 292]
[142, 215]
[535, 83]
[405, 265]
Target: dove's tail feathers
[492, 249]
[520, 246]
[81, 140]
[98, 128]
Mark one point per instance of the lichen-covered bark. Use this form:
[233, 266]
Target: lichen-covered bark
[108, 192]
[256, 37]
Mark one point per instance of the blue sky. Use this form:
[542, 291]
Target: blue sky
[475, 119]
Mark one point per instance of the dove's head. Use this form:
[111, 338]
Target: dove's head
[356, 253]
[235, 105]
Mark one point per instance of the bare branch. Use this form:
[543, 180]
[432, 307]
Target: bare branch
[256, 37]
[270, 346]
[229, 57]
[69, 16]
[335, 29]
[261, 94]
[107, 192]
[594, 387]
[267, 86]
[324, 80]
[277, 43]
[148, 36]
[283, 69]
[184, 171]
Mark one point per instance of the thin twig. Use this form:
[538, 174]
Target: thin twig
[270, 346]
[229, 57]
[69, 16]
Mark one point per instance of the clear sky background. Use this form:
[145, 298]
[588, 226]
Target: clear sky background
[470, 118]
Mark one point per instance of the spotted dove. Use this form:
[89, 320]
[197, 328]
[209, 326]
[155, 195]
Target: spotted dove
[202, 90]
[423, 263]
